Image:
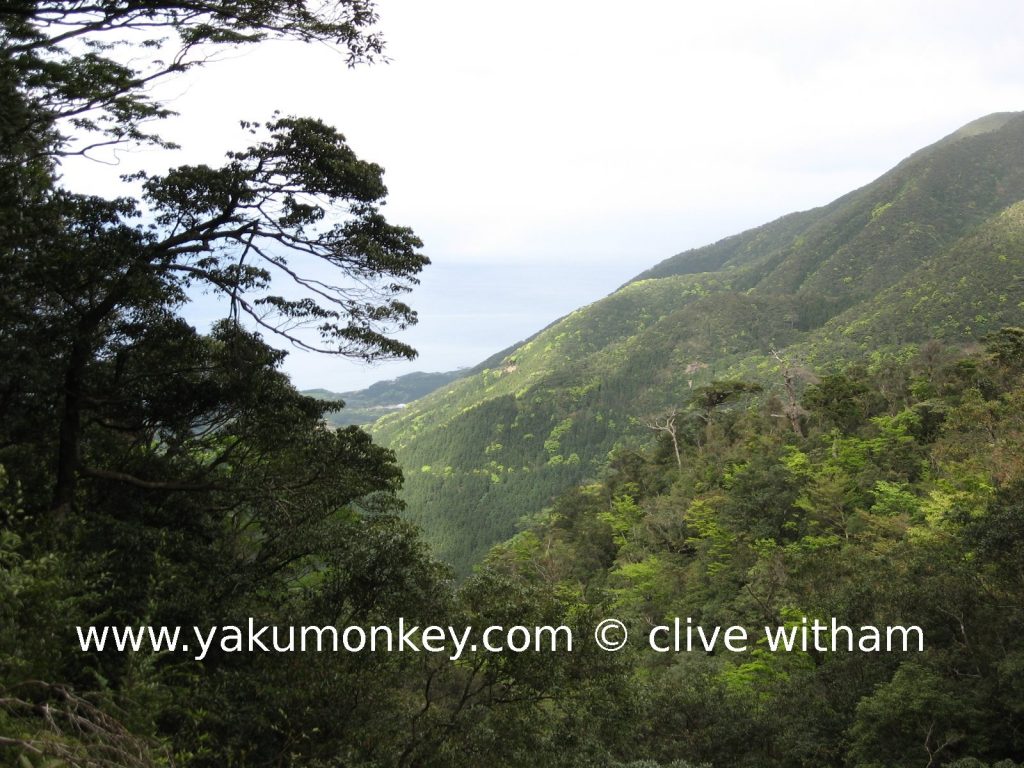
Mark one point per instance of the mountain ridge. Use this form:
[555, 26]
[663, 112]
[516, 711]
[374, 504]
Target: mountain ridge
[863, 274]
[362, 406]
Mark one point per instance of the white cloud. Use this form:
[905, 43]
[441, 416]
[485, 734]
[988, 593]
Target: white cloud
[601, 132]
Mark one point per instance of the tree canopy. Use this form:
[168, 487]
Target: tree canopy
[289, 230]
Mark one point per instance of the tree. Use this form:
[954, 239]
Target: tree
[791, 374]
[91, 276]
[840, 401]
[151, 473]
[707, 400]
[69, 92]
[667, 423]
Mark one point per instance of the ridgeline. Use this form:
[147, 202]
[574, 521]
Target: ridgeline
[930, 250]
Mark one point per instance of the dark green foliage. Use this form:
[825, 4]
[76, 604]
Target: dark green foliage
[840, 401]
[150, 474]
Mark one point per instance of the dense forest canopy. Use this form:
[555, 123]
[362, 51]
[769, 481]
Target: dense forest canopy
[153, 475]
[896, 501]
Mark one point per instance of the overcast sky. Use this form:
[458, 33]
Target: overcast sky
[548, 151]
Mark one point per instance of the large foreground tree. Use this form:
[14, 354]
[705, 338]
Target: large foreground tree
[288, 230]
[153, 474]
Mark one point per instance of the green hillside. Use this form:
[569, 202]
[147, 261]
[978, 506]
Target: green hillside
[365, 405]
[897, 503]
[878, 269]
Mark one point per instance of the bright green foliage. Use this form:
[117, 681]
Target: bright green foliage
[879, 523]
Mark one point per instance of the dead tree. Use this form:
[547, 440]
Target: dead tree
[792, 410]
[667, 424]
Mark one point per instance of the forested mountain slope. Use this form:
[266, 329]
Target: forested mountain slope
[897, 503]
[929, 250]
[364, 405]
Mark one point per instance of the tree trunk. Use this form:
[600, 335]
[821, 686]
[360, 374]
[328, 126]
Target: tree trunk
[69, 430]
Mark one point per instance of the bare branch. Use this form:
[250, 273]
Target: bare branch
[666, 423]
[71, 729]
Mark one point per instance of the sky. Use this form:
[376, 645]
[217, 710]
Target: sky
[547, 152]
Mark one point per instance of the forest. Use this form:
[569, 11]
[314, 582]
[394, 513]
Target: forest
[155, 475]
[931, 250]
